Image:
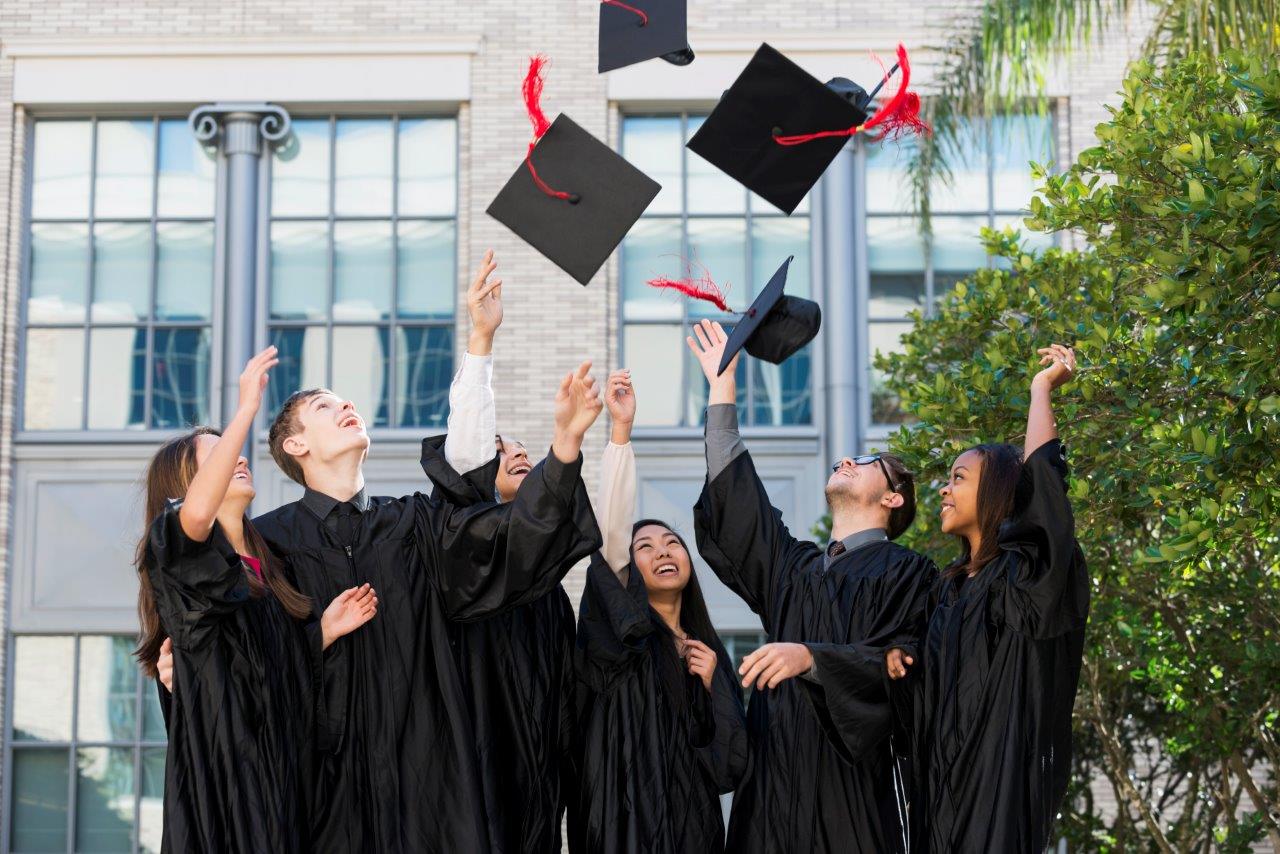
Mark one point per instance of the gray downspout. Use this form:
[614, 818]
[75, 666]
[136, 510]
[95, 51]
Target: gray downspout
[840, 312]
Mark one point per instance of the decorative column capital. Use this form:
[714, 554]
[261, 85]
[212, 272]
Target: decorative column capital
[240, 128]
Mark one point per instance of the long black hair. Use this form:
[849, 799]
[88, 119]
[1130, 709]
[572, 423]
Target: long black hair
[997, 499]
[694, 619]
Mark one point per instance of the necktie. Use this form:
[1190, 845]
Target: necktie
[346, 523]
[835, 549]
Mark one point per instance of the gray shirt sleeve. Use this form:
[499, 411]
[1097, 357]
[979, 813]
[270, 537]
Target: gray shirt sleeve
[724, 443]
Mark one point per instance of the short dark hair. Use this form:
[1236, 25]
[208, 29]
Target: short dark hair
[286, 424]
[904, 483]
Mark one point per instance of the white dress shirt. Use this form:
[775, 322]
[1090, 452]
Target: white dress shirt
[473, 423]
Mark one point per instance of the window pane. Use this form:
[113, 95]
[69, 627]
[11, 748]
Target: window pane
[304, 362]
[428, 280]
[53, 385]
[180, 383]
[104, 799]
[360, 375]
[772, 240]
[428, 164]
[655, 355]
[784, 393]
[710, 190]
[720, 246]
[957, 244]
[885, 338]
[184, 270]
[59, 273]
[117, 378]
[895, 258]
[300, 172]
[187, 170]
[361, 271]
[39, 800]
[42, 672]
[60, 169]
[424, 369]
[651, 249]
[1018, 141]
[299, 270]
[108, 689]
[152, 715]
[888, 190]
[121, 272]
[968, 188]
[653, 146]
[126, 158]
[362, 166]
[151, 808]
[695, 404]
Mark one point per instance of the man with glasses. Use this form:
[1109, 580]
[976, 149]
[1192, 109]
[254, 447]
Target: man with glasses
[824, 773]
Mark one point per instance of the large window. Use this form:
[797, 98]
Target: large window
[991, 186]
[87, 747]
[118, 276]
[705, 218]
[363, 264]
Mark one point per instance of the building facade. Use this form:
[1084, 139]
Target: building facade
[183, 183]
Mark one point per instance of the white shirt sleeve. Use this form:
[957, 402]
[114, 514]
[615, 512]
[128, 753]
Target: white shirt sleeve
[473, 423]
[616, 505]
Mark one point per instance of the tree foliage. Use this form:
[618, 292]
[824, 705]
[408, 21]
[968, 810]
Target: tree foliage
[1173, 431]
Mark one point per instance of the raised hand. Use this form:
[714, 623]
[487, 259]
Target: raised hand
[700, 658]
[1061, 361]
[484, 305]
[707, 344]
[253, 380]
[774, 662]
[164, 665]
[896, 662]
[620, 398]
[578, 405]
[349, 610]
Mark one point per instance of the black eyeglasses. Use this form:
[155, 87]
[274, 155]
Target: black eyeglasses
[866, 460]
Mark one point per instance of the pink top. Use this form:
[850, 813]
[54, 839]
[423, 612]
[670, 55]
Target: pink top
[254, 564]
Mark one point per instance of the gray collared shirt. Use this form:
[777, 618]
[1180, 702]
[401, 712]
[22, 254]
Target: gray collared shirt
[854, 541]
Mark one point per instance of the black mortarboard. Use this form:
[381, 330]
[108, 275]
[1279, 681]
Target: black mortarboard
[775, 97]
[573, 198]
[775, 326]
[637, 30]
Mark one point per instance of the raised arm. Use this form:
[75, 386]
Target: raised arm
[473, 424]
[616, 503]
[1061, 362]
[209, 486]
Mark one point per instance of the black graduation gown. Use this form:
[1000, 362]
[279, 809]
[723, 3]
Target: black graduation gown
[401, 772]
[241, 720]
[517, 674]
[995, 681]
[651, 776]
[805, 793]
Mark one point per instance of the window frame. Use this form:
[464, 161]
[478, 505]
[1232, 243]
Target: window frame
[266, 324]
[217, 219]
[817, 352]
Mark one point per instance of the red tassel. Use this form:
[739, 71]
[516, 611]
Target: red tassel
[702, 288]
[644, 19]
[532, 90]
[899, 115]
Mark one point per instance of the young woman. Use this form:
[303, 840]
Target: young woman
[246, 662]
[994, 678]
[661, 727]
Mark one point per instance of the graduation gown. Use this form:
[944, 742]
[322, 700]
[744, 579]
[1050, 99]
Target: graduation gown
[651, 772]
[995, 681]
[517, 676]
[806, 793]
[241, 720]
[401, 771]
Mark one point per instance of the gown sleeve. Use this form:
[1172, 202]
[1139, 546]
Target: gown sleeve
[742, 537]
[487, 557]
[720, 728]
[1047, 590]
[196, 583]
[613, 624]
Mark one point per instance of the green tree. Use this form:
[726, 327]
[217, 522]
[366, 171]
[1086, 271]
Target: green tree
[1173, 430]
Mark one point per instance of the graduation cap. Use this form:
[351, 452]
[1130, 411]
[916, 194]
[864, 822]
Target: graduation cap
[637, 30]
[774, 328]
[777, 128]
[573, 198]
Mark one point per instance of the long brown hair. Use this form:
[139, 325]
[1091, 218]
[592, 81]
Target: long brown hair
[168, 476]
[996, 499]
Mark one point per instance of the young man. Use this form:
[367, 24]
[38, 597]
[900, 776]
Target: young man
[400, 772]
[830, 617]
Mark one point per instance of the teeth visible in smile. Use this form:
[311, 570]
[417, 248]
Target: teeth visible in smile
[665, 568]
